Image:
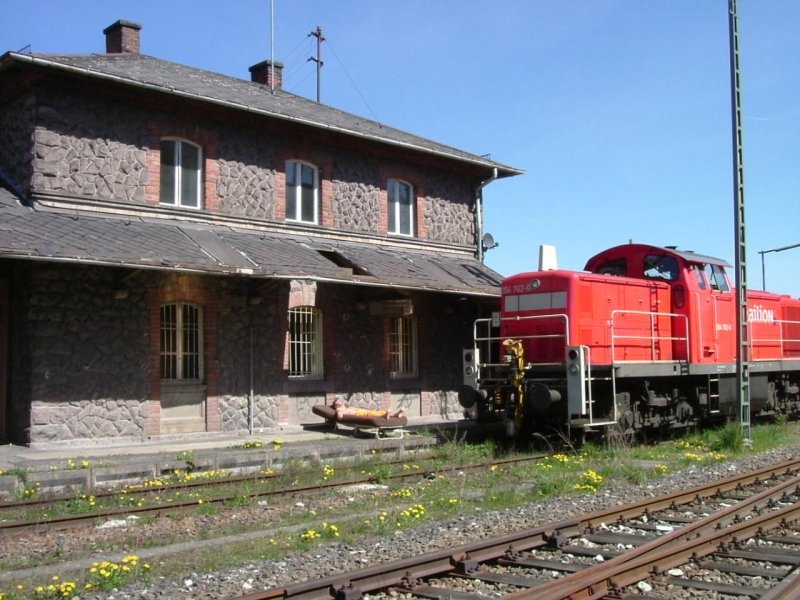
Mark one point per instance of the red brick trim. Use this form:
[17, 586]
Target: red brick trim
[179, 287]
[417, 181]
[205, 138]
[324, 164]
[383, 206]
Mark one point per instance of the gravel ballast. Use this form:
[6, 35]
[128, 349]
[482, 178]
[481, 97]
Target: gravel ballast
[336, 557]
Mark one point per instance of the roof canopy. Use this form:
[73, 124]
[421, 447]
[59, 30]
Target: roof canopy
[137, 242]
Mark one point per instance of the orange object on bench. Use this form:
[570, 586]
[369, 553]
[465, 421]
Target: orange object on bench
[374, 422]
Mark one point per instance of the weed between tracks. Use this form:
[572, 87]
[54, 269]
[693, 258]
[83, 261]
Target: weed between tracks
[382, 506]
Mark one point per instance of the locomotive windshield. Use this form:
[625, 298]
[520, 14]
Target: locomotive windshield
[661, 267]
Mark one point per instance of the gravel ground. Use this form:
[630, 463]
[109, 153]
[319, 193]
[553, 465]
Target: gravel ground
[337, 557]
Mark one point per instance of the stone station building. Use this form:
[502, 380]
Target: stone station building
[185, 253]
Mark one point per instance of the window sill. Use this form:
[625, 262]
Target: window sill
[305, 386]
[170, 205]
[173, 384]
[299, 222]
[403, 383]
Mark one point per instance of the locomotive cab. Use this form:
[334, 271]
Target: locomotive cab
[700, 292]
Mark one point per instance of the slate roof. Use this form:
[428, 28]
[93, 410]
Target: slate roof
[27, 233]
[146, 72]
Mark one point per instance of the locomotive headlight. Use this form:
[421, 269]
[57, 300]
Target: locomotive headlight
[535, 284]
[573, 369]
[469, 371]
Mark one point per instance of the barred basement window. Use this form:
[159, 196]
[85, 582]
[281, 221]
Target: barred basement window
[181, 342]
[403, 346]
[181, 173]
[305, 342]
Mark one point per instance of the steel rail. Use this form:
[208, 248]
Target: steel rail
[76, 520]
[139, 489]
[593, 586]
[788, 589]
[697, 539]
[369, 579]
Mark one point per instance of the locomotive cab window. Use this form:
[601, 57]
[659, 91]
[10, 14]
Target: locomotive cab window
[697, 271]
[617, 266]
[716, 277]
[661, 267]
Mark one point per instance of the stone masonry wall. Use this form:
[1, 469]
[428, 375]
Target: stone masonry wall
[88, 356]
[246, 185]
[16, 132]
[356, 194]
[101, 158]
[107, 157]
[82, 362]
[19, 391]
[448, 216]
[251, 336]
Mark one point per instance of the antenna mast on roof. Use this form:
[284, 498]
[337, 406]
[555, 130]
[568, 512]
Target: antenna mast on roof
[317, 33]
[272, 46]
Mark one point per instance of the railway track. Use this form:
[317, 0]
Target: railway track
[742, 530]
[251, 488]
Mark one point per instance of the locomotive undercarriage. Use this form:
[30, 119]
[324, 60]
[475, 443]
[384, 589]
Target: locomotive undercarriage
[535, 400]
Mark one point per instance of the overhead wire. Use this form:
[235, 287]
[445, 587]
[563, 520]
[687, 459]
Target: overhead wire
[352, 82]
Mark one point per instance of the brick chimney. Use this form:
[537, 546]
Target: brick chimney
[122, 37]
[263, 72]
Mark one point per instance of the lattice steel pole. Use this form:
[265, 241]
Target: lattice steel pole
[742, 331]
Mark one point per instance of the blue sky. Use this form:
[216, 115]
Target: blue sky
[617, 110]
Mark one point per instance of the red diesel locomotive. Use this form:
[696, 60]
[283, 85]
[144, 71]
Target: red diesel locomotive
[644, 338]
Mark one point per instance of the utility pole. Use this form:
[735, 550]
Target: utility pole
[742, 331]
[762, 253]
[317, 33]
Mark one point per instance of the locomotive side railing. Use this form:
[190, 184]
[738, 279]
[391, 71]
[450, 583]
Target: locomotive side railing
[782, 342]
[653, 338]
[488, 339]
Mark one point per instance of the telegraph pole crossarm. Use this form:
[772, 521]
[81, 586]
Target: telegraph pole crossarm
[317, 33]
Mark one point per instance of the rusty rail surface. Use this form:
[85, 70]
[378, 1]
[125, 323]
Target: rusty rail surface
[697, 540]
[355, 583]
[76, 520]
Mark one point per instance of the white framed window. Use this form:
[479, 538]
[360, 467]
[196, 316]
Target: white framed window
[401, 207]
[181, 173]
[181, 342]
[403, 346]
[305, 342]
[302, 192]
